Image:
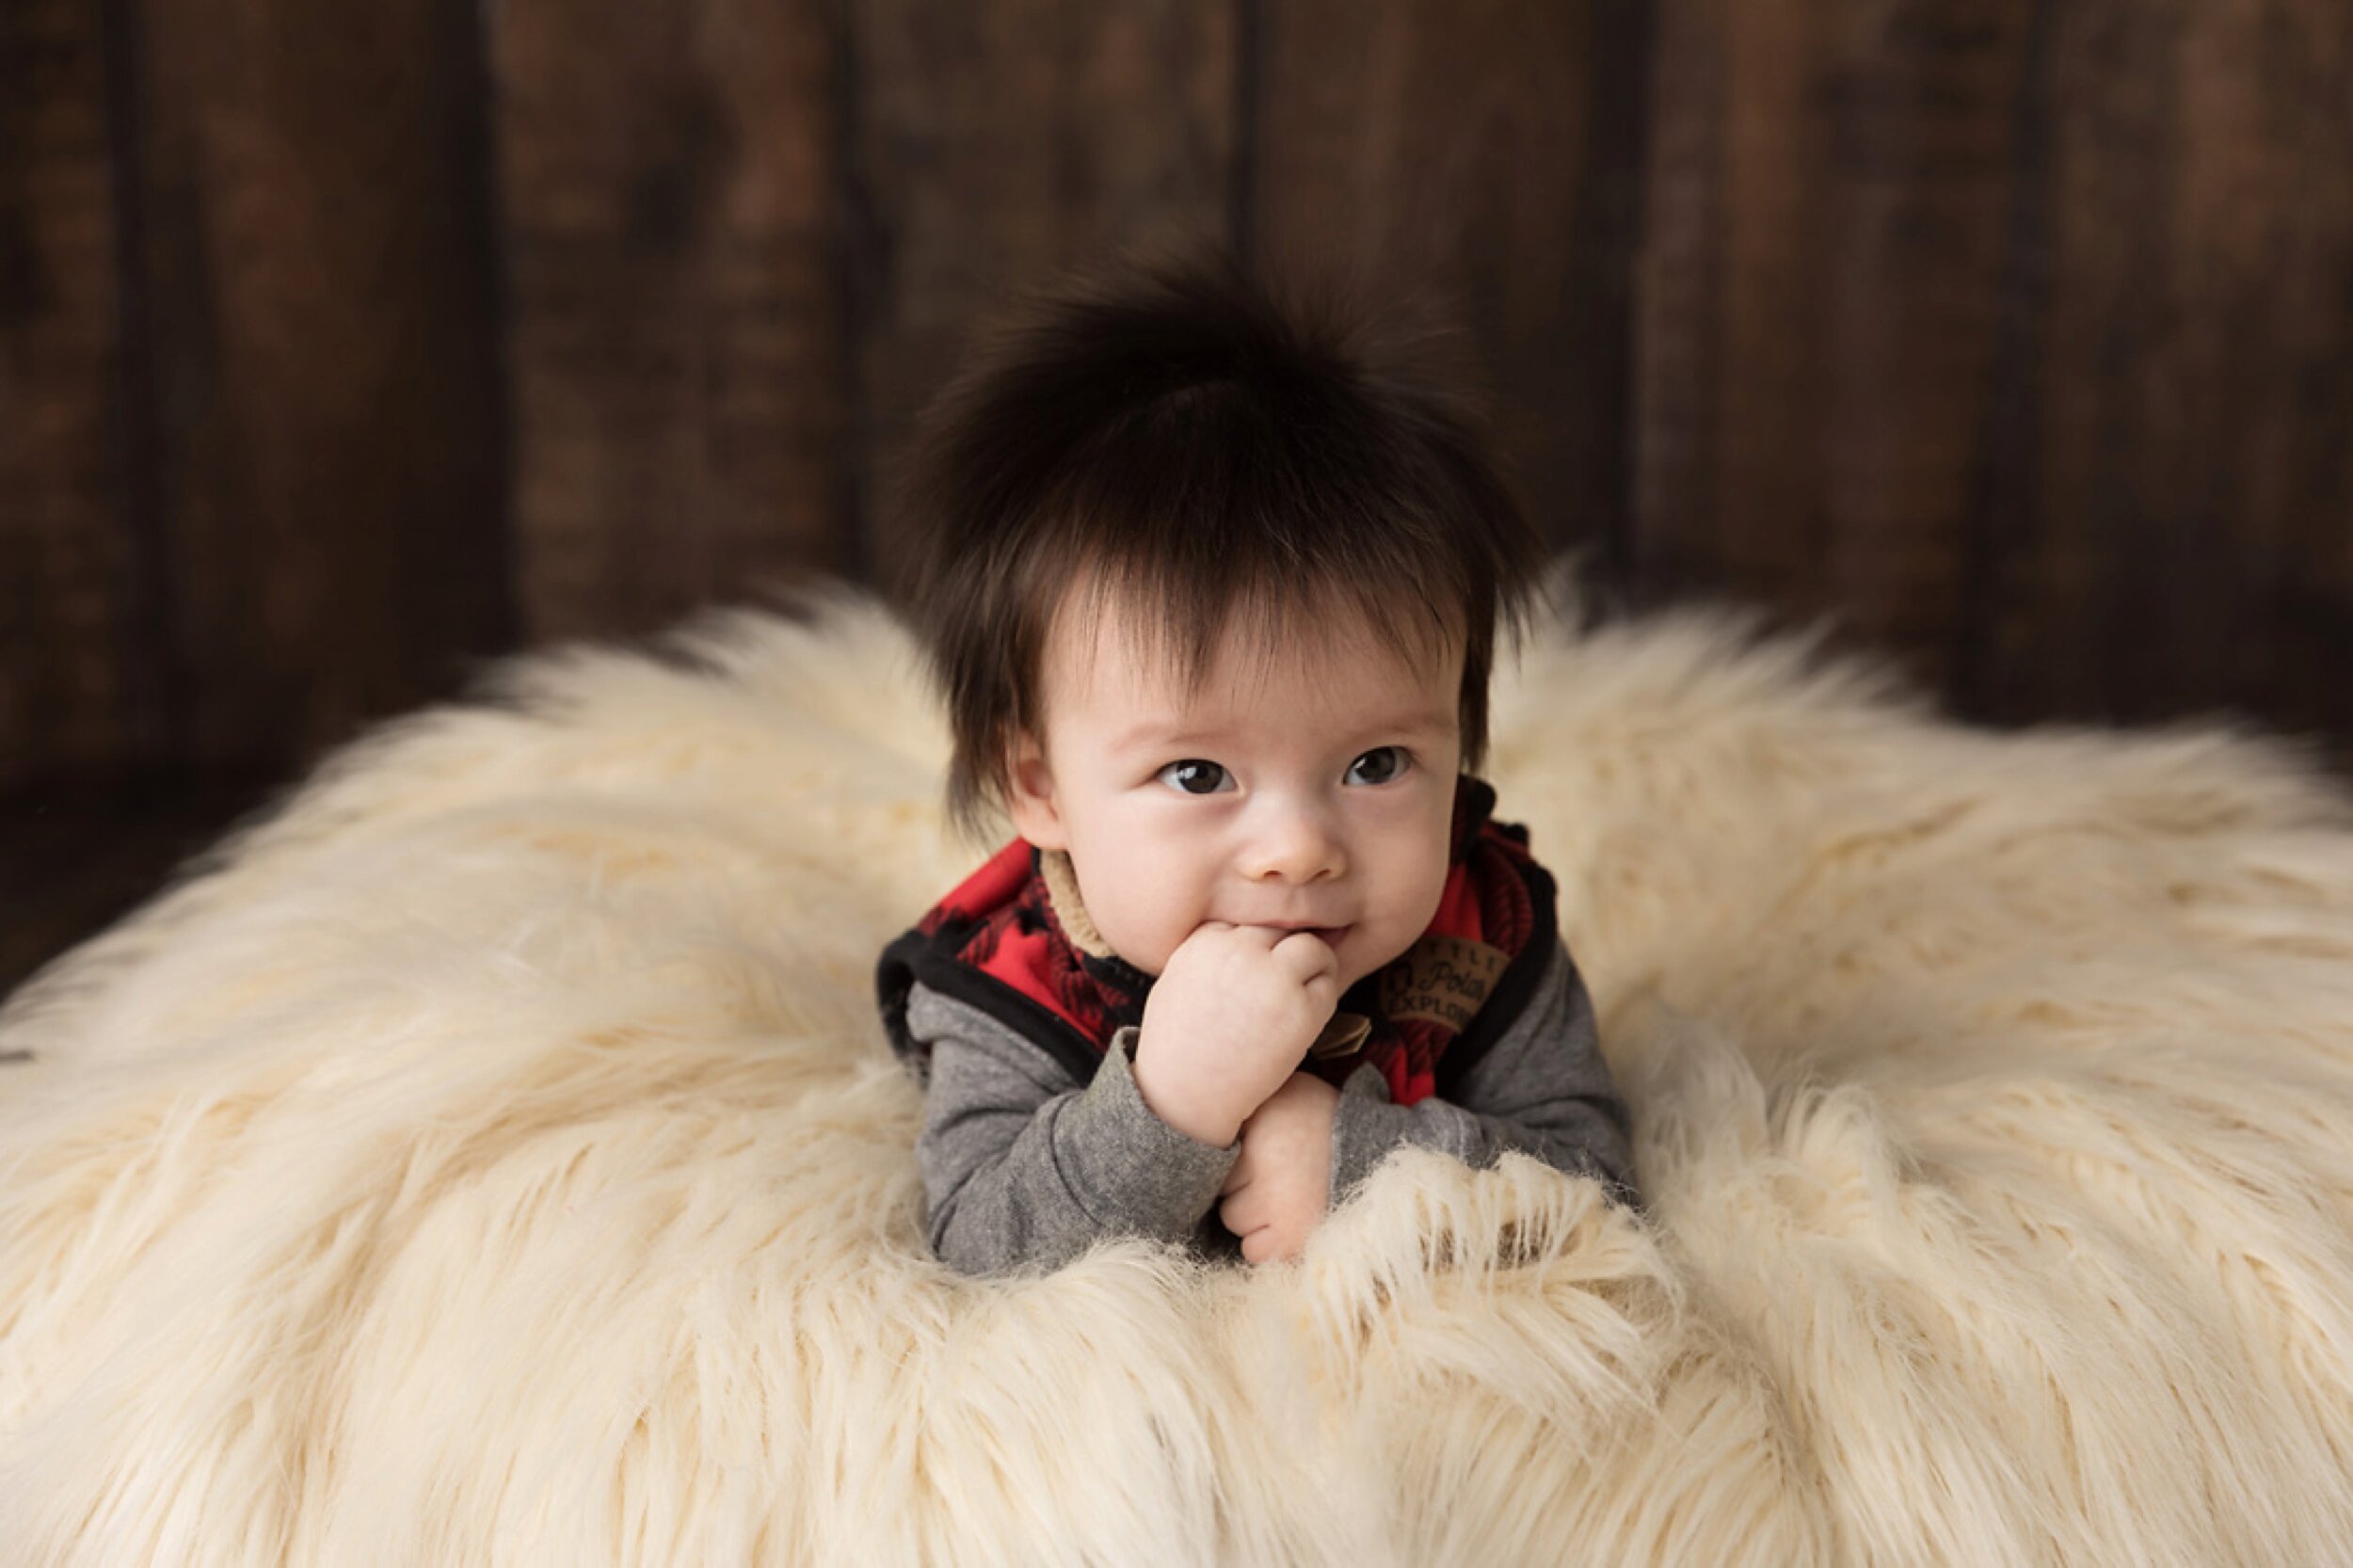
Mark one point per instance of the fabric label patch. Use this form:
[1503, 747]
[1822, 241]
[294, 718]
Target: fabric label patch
[1442, 980]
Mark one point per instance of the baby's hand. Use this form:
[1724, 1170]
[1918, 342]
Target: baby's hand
[1228, 1020]
[1281, 1183]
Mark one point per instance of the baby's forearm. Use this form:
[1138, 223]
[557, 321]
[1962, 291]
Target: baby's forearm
[1542, 1088]
[1182, 1093]
[1583, 1137]
[1017, 1173]
[1071, 1178]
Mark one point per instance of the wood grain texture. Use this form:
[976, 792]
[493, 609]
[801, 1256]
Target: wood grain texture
[77, 856]
[1483, 158]
[1821, 307]
[2017, 337]
[73, 689]
[340, 348]
[316, 272]
[672, 239]
[999, 143]
[2173, 533]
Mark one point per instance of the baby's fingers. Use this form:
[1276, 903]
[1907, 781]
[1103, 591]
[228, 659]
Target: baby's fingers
[1264, 1246]
[1308, 955]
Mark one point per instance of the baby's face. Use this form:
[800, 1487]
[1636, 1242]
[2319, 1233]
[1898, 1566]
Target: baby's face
[1322, 796]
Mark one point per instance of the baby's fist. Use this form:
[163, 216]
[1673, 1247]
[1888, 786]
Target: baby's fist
[1230, 1018]
[1281, 1183]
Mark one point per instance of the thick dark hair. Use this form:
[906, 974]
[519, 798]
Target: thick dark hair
[1201, 449]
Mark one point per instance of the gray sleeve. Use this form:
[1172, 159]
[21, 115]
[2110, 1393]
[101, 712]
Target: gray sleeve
[1025, 1169]
[1542, 1088]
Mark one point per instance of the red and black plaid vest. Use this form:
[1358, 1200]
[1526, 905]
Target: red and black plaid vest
[998, 943]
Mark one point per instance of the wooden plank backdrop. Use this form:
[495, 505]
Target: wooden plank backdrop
[341, 349]
[77, 666]
[322, 434]
[671, 244]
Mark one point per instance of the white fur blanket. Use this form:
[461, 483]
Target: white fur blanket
[494, 1157]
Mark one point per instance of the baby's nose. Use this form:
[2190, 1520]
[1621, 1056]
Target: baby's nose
[1297, 846]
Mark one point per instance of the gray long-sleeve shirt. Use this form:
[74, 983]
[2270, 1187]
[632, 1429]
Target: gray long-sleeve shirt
[1024, 1167]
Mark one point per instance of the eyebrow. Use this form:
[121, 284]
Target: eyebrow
[1157, 735]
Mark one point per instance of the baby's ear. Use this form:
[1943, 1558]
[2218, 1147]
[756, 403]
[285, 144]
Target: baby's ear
[1030, 797]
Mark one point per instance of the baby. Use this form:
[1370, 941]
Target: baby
[1211, 588]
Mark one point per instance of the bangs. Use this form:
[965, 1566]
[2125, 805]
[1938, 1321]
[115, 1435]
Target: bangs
[1264, 515]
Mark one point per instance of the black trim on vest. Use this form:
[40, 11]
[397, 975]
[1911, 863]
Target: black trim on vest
[1517, 988]
[931, 960]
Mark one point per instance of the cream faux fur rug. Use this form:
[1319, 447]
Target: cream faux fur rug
[494, 1157]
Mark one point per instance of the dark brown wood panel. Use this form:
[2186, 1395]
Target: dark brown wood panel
[998, 142]
[77, 856]
[1821, 306]
[2018, 337]
[339, 347]
[1482, 159]
[72, 689]
[673, 241]
[2176, 531]
[316, 272]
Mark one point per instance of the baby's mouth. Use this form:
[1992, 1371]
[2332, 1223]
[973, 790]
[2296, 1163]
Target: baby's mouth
[1329, 934]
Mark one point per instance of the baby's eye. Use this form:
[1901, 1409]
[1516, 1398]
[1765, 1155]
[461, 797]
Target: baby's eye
[1394, 757]
[1192, 776]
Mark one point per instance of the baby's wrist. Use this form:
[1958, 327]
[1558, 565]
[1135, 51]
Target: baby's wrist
[1203, 1122]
